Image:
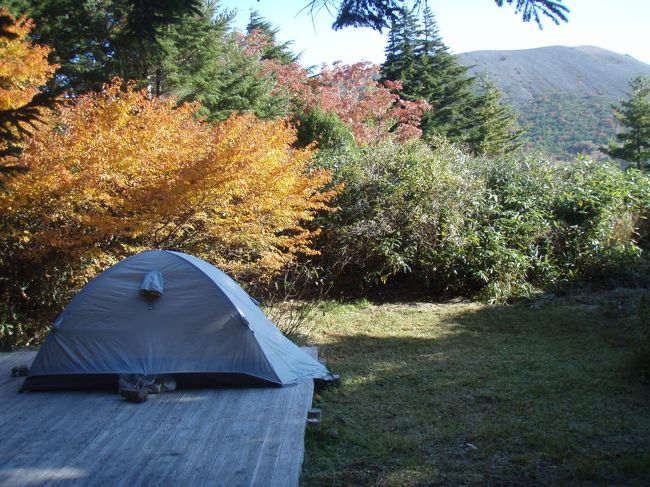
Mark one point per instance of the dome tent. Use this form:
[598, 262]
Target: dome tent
[165, 312]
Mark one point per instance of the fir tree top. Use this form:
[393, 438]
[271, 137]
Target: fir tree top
[274, 50]
[634, 114]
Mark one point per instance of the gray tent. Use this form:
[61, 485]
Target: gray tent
[164, 312]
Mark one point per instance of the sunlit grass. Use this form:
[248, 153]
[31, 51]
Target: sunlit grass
[462, 393]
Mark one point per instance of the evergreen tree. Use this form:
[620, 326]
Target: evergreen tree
[190, 54]
[186, 48]
[443, 82]
[96, 41]
[202, 60]
[496, 130]
[422, 62]
[243, 86]
[273, 50]
[400, 49]
[378, 14]
[634, 114]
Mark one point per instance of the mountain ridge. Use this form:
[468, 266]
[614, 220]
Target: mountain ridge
[564, 95]
[525, 73]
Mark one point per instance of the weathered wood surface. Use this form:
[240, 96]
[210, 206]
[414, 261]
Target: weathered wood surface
[211, 437]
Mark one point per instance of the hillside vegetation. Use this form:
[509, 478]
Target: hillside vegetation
[563, 94]
[566, 124]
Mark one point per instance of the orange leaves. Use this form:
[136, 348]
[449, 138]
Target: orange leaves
[23, 65]
[115, 172]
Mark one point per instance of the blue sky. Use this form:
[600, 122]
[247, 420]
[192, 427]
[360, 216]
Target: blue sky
[466, 25]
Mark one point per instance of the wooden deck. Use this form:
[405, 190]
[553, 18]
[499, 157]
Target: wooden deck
[211, 437]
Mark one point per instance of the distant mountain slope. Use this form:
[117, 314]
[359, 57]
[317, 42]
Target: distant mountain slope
[564, 94]
[584, 70]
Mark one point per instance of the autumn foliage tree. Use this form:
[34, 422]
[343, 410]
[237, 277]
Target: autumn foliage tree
[23, 70]
[373, 110]
[117, 172]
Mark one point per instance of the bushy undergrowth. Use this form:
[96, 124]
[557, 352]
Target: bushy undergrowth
[461, 224]
[434, 218]
[291, 298]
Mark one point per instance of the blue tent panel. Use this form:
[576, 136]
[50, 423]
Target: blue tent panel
[202, 327]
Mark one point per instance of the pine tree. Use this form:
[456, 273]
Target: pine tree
[96, 41]
[400, 49]
[377, 14]
[444, 82]
[422, 62]
[273, 49]
[496, 130]
[202, 59]
[244, 86]
[634, 114]
[190, 55]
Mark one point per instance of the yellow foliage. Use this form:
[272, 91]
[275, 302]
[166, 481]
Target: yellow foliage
[117, 172]
[23, 65]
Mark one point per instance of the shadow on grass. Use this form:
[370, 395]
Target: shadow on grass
[465, 394]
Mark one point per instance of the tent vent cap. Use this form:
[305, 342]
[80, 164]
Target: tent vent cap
[152, 285]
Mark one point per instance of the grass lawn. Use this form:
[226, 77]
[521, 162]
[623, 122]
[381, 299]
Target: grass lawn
[463, 393]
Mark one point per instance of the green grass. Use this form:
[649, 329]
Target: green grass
[463, 393]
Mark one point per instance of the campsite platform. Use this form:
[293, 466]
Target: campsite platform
[189, 437]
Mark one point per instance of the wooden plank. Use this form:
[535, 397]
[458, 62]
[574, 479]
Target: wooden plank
[173, 440]
[207, 441]
[9, 394]
[37, 416]
[249, 440]
[10, 385]
[63, 417]
[251, 436]
[19, 357]
[158, 450]
[40, 444]
[113, 451]
[290, 455]
[234, 435]
[293, 446]
[268, 460]
[14, 359]
[64, 425]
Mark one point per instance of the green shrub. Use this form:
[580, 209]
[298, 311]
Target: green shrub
[326, 129]
[462, 224]
[595, 211]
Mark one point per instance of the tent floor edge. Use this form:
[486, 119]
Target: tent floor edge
[109, 382]
[320, 384]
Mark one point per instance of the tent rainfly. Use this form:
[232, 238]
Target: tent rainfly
[162, 312]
